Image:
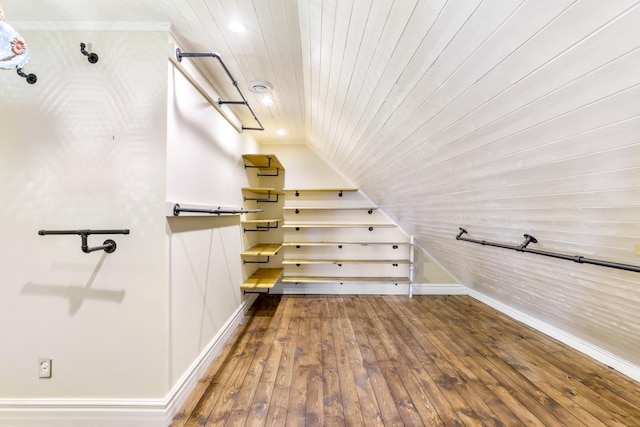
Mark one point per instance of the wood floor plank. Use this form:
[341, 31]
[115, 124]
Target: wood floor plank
[449, 377]
[204, 384]
[388, 355]
[495, 404]
[349, 394]
[296, 410]
[333, 403]
[547, 360]
[262, 397]
[218, 385]
[277, 411]
[371, 413]
[388, 409]
[536, 400]
[235, 406]
[315, 390]
[372, 360]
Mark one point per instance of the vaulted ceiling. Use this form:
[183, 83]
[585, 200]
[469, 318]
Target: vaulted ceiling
[501, 116]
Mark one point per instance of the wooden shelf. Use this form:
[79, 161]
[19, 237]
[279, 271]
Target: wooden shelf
[262, 190]
[336, 225]
[261, 221]
[263, 278]
[326, 215]
[345, 243]
[316, 190]
[332, 279]
[263, 249]
[339, 191]
[345, 261]
[268, 192]
[330, 208]
[262, 161]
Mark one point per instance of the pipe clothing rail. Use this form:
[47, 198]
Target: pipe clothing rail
[218, 211]
[530, 239]
[109, 246]
[180, 54]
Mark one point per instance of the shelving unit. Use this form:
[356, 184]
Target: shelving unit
[335, 235]
[262, 232]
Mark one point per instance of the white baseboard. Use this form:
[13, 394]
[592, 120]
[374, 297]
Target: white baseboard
[440, 289]
[370, 289]
[338, 289]
[82, 412]
[119, 412]
[625, 367]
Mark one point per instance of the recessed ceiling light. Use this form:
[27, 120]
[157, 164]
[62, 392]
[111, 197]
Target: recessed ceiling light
[237, 27]
[281, 132]
[260, 87]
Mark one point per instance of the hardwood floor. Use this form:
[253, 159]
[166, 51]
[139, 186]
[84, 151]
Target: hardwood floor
[391, 360]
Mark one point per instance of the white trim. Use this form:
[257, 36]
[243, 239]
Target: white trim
[90, 26]
[621, 365]
[120, 412]
[440, 289]
[338, 289]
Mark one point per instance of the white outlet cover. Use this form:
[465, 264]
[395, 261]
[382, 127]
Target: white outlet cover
[44, 367]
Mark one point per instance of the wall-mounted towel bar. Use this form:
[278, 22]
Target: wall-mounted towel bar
[217, 211]
[108, 246]
[180, 54]
[530, 239]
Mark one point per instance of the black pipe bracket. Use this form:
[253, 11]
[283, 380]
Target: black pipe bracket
[31, 78]
[109, 246]
[91, 57]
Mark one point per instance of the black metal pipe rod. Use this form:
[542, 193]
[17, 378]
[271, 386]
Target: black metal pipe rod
[583, 260]
[82, 232]
[180, 54]
[530, 239]
[485, 243]
[177, 209]
[221, 102]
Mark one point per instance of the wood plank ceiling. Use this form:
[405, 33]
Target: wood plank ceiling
[501, 116]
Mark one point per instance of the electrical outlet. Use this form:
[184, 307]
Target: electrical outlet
[44, 367]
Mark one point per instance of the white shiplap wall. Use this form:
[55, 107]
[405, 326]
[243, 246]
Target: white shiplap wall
[503, 117]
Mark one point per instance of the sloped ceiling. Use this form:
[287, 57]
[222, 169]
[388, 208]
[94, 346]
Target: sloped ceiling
[503, 117]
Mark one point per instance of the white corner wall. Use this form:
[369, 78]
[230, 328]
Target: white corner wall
[204, 167]
[84, 148]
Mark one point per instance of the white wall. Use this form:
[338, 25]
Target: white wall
[84, 148]
[305, 169]
[204, 167]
